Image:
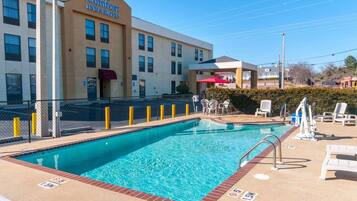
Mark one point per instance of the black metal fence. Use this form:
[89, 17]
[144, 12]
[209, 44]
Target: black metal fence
[78, 115]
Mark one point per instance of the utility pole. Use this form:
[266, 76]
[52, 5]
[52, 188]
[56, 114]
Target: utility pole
[283, 62]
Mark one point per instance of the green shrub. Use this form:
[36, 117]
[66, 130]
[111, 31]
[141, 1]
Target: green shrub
[321, 99]
[182, 89]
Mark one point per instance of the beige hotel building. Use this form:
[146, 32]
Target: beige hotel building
[103, 51]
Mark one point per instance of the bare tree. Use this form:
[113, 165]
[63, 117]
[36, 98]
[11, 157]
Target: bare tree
[301, 73]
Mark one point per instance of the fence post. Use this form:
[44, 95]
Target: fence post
[29, 120]
[162, 112]
[17, 129]
[107, 118]
[148, 114]
[131, 115]
[173, 110]
[187, 109]
[33, 123]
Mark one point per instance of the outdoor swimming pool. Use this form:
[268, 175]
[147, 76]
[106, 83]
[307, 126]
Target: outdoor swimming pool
[182, 161]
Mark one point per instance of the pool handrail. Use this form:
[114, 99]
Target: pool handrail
[279, 146]
[257, 145]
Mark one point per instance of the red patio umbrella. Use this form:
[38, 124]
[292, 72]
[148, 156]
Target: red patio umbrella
[215, 79]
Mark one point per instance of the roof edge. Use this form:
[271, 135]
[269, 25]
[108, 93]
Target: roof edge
[144, 25]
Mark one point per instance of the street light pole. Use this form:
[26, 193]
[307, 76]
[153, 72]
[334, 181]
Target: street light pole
[283, 63]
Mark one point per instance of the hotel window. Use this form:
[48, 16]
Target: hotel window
[179, 50]
[105, 58]
[11, 12]
[31, 15]
[173, 49]
[201, 55]
[33, 86]
[141, 64]
[104, 33]
[150, 64]
[12, 47]
[32, 49]
[150, 43]
[173, 87]
[173, 67]
[179, 68]
[91, 57]
[90, 29]
[196, 54]
[141, 41]
[14, 88]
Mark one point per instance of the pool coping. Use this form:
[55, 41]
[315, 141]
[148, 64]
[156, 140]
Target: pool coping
[215, 194]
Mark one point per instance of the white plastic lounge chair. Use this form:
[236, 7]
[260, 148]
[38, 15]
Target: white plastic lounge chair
[223, 107]
[265, 108]
[204, 103]
[337, 165]
[3, 198]
[348, 119]
[341, 149]
[213, 106]
[340, 110]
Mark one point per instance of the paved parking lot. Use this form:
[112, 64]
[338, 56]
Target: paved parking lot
[85, 114]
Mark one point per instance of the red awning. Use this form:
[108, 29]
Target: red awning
[107, 74]
[216, 80]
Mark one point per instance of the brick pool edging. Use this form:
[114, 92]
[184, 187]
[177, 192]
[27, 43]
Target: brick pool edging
[224, 187]
[111, 187]
[218, 192]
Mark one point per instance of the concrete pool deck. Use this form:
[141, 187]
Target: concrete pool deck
[298, 179]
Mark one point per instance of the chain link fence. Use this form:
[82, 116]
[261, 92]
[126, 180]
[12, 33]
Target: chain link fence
[81, 115]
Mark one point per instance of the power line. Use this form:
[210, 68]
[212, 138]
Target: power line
[316, 57]
[233, 18]
[219, 12]
[316, 23]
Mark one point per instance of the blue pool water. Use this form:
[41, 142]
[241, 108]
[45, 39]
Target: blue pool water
[182, 161]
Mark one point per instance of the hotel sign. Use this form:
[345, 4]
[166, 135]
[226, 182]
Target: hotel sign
[103, 7]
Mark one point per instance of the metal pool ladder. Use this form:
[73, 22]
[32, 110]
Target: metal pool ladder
[262, 141]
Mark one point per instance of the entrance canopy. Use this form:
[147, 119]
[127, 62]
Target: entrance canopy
[107, 74]
[215, 80]
[223, 64]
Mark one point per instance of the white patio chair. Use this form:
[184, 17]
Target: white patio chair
[224, 106]
[204, 103]
[337, 165]
[339, 111]
[265, 108]
[195, 102]
[340, 115]
[213, 106]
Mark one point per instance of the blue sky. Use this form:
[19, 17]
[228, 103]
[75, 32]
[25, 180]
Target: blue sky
[250, 30]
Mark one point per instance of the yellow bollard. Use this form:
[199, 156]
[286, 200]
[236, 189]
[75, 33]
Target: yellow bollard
[131, 115]
[107, 118]
[148, 114]
[162, 112]
[33, 123]
[17, 129]
[187, 109]
[173, 110]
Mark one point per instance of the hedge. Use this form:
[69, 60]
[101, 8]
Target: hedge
[321, 99]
